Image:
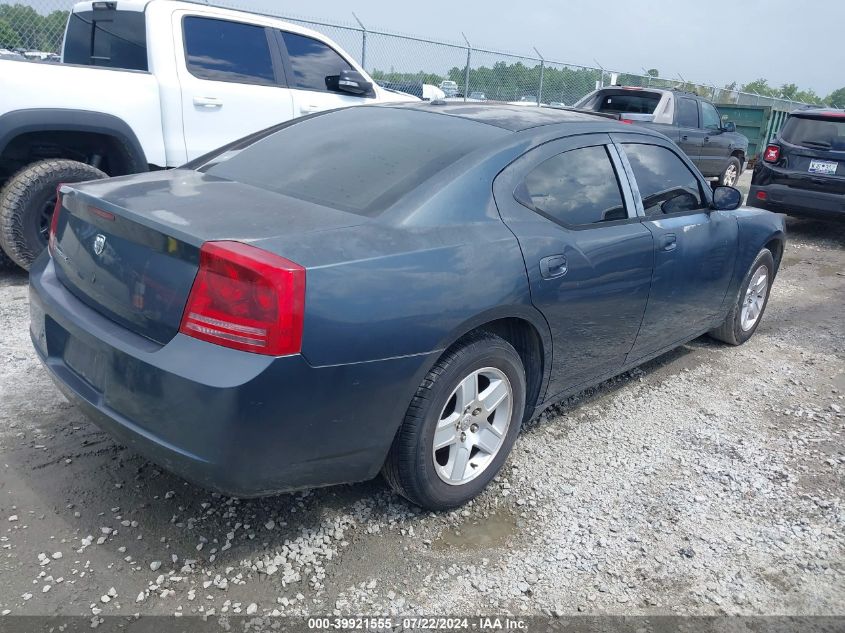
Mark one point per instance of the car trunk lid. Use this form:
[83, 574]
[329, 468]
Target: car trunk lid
[129, 247]
[813, 153]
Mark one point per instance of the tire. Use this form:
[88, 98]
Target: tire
[419, 473]
[26, 205]
[731, 173]
[6, 262]
[734, 330]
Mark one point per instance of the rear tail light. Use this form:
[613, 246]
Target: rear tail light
[247, 299]
[625, 121]
[772, 153]
[762, 195]
[54, 220]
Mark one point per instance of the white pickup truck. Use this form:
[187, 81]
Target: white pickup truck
[152, 84]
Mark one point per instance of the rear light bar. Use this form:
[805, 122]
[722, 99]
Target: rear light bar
[246, 298]
[772, 153]
[54, 220]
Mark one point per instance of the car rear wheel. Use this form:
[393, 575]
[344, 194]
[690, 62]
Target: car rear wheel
[461, 424]
[747, 311]
[27, 201]
[730, 175]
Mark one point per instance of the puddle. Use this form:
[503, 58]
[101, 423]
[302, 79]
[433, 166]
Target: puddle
[491, 531]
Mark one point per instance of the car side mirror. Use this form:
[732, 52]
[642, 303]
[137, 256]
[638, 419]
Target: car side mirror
[729, 126]
[726, 198]
[349, 81]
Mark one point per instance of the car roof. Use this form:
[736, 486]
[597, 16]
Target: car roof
[837, 112]
[514, 117]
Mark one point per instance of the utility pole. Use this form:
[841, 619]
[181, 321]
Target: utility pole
[466, 72]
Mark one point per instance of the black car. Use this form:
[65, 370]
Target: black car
[803, 170]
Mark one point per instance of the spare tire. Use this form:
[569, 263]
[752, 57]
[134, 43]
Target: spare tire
[27, 201]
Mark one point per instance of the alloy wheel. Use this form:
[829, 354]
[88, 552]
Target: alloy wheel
[755, 298]
[472, 426]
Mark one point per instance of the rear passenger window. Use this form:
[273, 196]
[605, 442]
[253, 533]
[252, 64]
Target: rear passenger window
[687, 112]
[227, 51]
[312, 61]
[577, 187]
[666, 184]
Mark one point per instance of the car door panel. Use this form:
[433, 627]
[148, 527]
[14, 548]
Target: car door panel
[215, 102]
[694, 253]
[716, 147]
[307, 62]
[591, 283]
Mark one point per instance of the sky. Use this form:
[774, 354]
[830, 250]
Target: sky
[703, 40]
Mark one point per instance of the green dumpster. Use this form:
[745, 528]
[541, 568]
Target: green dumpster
[758, 124]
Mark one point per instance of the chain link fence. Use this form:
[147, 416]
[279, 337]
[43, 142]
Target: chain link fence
[463, 70]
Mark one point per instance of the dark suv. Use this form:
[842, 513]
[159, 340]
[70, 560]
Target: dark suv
[802, 172]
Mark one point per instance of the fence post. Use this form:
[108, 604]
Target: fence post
[363, 41]
[542, 68]
[466, 71]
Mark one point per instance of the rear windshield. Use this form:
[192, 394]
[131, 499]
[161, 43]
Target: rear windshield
[106, 37]
[817, 132]
[360, 159]
[636, 103]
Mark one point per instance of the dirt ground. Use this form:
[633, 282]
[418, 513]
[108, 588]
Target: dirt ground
[709, 481]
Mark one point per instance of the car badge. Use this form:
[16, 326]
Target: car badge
[99, 244]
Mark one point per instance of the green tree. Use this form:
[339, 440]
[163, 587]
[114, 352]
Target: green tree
[32, 30]
[836, 98]
[760, 87]
[653, 72]
[9, 38]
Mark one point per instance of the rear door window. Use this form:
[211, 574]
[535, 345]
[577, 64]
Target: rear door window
[666, 184]
[107, 38]
[816, 133]
[577, 188]
[312, 61]
[687, 112]
[221, 50]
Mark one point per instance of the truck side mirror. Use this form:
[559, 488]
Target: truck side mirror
[351, 82]
[729, 126]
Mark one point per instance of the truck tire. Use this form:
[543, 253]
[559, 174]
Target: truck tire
[27, 201]
[6, 262]
[730, 175]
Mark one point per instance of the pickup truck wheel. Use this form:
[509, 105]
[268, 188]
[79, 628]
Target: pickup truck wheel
[460, 425]
[6, 262]
[27, 201]
[747, 311]
[731, 173]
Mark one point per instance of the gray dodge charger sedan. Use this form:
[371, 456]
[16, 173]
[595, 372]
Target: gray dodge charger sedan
[386, 289]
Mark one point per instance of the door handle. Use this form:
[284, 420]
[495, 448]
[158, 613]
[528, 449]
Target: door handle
[684, 137]
[553, 266]
[669, 242]
[208, 102]
[706, 139]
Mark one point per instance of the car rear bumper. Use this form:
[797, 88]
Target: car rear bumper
[239, 423]
[794, 201]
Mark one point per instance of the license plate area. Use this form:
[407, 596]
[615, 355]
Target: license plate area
[85, 362]
[823, 167]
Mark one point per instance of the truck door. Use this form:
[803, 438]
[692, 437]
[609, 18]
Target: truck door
[231, 79]
[690, 134]
[717, 145]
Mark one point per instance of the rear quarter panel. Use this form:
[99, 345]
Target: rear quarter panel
[131, 96]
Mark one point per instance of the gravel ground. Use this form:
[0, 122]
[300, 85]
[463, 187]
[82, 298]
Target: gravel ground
[709, 481]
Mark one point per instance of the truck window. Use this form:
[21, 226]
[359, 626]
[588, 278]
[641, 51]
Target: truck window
[220, 50]
[108, 38]
[710, 116]
[687, 112]
[633, 102]
[312, 61]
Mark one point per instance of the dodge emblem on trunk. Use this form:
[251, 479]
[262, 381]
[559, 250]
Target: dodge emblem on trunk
[99, 244]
